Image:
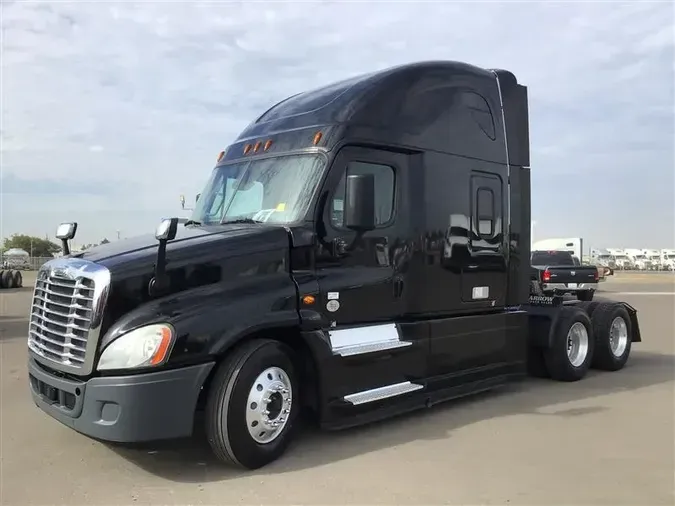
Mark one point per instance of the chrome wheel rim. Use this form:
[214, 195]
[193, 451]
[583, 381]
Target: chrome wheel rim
[577, 344]
[269, 405]
[618, 336]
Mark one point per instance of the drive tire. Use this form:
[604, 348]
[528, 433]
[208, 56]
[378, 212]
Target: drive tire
[560, 365]
[586, 295]
[2, 279]
[228, 404]
[603, 319]
[589, 307]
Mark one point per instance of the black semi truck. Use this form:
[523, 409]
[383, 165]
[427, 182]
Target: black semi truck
[360, 251]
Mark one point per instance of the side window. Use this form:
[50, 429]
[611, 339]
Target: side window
[384, 192]
[485, 212]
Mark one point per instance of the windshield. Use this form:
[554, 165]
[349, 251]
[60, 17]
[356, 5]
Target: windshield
[272, 190]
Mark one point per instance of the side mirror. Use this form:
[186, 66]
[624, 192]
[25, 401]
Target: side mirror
[65, 232]
[359, 207]
[166, 230]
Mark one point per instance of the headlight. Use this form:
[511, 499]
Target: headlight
[144, 347]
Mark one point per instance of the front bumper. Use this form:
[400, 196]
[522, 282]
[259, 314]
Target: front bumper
[568, 287]
[124, 409]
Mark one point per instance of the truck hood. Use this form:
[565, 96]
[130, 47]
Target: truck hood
[192, 245]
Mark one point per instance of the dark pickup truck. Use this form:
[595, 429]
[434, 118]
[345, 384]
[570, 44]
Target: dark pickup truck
[556, 273]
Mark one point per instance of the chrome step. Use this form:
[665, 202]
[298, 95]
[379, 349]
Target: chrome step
[377, 394]
[359, 349]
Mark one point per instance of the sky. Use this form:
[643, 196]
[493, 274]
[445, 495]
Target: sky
[111, 111]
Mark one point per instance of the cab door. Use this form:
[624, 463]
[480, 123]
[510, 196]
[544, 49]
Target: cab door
[362, 282]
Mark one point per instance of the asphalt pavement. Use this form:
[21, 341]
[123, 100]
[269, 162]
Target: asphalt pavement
[609, 439]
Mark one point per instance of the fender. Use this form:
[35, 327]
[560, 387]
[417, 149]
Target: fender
[211, 319]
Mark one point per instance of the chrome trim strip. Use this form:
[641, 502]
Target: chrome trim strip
[377, 394]
[360, 349]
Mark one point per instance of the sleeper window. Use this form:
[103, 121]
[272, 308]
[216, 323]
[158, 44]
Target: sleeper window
[384, 192]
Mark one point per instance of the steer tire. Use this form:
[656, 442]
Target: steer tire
[558, 362]
[603, 319]
[229, 400]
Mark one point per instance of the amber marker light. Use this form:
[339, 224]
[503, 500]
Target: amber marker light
[247, 148]
[317, 138]
[268, 145]
[163, 348]
[308, 300]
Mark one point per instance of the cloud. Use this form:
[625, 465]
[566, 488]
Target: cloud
[163, 87]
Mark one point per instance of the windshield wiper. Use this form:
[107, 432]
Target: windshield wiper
[193, 222]
[240, 220]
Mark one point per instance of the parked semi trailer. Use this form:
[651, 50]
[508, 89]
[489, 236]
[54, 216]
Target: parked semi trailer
[360, 251]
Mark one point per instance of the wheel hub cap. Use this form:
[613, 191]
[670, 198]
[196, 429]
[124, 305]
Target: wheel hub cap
[618, 336]
[577, 344]
[269, 405]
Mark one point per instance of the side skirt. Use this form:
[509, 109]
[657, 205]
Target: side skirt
[391, 400]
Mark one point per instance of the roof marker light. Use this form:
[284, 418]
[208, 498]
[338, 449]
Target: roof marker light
[247, 148]
[268, 144]
[220, 156]
[317, 138]
[257, 147]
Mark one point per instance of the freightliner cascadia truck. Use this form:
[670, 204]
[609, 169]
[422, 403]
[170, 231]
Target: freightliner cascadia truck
[360, 251]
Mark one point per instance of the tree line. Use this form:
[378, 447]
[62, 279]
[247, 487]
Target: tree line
[38, 246]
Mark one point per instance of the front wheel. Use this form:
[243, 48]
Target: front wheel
[252, 404]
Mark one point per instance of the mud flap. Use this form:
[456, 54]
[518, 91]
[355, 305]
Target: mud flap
[636, 337]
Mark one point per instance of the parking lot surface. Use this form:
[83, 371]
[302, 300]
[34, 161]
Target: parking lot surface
[609, 439]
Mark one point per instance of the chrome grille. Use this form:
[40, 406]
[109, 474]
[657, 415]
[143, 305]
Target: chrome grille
[66, 312]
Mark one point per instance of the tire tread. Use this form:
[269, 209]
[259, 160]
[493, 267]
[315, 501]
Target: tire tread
[603, 315]
[219, 398]
[557, 363]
